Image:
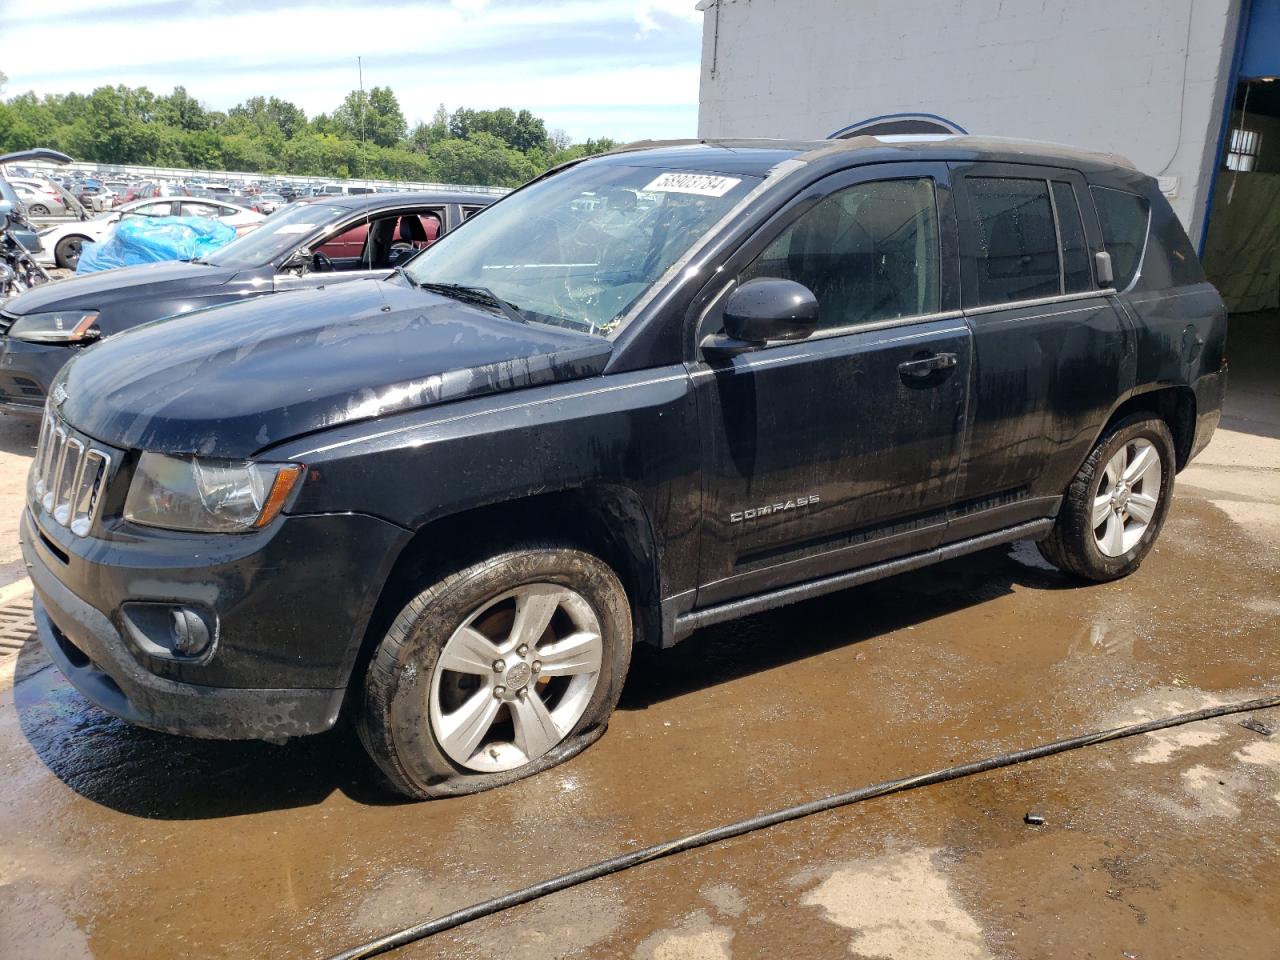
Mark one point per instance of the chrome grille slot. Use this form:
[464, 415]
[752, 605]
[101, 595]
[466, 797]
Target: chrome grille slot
[57, 456]
[85, 497]
[68, 475]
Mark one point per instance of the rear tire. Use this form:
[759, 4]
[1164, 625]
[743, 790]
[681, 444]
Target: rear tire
[497, 672]
[1116, 505]
[38, 210]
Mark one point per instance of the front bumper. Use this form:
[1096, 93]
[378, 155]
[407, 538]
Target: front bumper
[286, 639]
[89, 651]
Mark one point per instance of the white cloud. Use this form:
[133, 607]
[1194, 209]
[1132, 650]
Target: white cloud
[461, 53]
[649, 12]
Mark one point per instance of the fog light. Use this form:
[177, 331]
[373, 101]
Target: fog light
[170, 630]
[190, 635]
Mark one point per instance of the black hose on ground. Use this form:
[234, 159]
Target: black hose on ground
[717, 834]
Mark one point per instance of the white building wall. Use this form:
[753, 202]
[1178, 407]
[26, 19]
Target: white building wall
[1101, 74]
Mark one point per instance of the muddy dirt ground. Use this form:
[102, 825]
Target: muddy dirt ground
[119, 843]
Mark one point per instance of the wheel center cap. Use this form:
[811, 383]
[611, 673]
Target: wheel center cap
[518, 675]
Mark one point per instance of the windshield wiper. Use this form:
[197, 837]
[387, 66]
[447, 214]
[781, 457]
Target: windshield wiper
[481, 295]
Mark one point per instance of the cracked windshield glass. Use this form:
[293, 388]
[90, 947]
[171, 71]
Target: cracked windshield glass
[577, 250]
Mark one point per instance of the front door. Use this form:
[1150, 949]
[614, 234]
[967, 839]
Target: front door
[842, 449]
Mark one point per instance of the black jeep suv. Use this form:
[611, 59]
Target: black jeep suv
[657, 389]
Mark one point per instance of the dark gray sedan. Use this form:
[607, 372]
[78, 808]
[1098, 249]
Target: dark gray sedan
[314, 242]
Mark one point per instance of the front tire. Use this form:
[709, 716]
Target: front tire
[67, 252]
[497, 672]
[1116, 505]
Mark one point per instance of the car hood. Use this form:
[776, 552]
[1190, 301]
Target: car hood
[94, 291]
[231, 381]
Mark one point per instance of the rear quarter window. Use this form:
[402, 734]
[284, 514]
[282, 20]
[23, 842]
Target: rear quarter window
[1124, 218]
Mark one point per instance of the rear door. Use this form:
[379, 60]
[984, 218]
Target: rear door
[842, 449]
[1052, 351]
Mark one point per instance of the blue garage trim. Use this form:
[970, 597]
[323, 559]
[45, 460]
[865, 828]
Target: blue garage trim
[1224, 126]
[1262, 40]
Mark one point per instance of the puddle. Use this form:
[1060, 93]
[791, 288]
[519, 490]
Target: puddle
[563, 925]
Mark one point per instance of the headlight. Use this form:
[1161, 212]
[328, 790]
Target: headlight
[61, 326]
[206, 495]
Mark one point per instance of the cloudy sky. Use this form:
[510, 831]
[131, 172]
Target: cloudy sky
[621, 68]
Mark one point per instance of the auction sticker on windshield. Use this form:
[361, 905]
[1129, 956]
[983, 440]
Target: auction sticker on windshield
[702, 184]
[295, 227]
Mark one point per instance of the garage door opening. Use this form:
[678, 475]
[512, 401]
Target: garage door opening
[1242, 243]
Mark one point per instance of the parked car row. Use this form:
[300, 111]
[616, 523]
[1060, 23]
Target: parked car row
[651, 391]
[62, 243]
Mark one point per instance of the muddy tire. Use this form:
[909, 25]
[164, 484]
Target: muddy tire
[67, 252]
[1116, 505]
[496, 672]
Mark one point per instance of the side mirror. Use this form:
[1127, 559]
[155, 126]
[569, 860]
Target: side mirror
[761, 310]
[1102, 267]
[300, 260]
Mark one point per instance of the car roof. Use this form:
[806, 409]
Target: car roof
[757, 157]
[361, 201]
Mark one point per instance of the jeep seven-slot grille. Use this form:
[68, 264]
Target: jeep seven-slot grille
[68, 475]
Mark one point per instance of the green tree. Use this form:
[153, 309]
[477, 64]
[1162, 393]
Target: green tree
[481, 158]
[119, 124]
[110, 130]
[522, 130]
[181, 110]
[268, 117]
[426, 135]
[374, 115]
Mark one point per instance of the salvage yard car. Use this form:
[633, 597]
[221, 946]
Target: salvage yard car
[41, 330]
[744, 374]
[63, 242]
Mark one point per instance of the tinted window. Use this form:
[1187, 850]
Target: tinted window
[868, 253]
[200, 210]
[1016, 253]
[1076, 275]
[1124, 218]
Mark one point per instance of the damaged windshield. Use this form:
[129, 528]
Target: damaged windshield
[579, 248]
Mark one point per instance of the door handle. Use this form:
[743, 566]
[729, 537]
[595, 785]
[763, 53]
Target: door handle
[927, 365]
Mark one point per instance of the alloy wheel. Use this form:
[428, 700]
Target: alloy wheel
[515, 678]
[1127, 496]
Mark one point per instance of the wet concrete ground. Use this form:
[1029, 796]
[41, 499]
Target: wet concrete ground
[121, 843]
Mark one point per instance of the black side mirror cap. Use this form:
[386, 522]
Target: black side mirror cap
[769, 308]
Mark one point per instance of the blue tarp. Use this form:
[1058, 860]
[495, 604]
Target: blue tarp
[138, 240]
